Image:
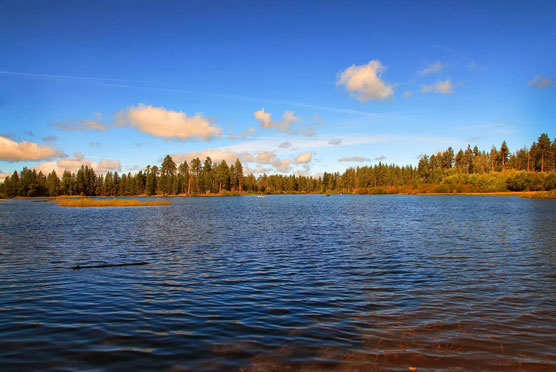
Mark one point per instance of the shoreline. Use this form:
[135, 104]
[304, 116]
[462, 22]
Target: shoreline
[524, 194]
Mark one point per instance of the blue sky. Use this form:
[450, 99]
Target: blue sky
[120, 84]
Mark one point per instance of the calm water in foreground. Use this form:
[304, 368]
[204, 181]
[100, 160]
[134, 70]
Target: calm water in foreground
[281, 283]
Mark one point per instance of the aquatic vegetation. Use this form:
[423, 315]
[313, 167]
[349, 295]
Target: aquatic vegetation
[541, 195]
[87, 202]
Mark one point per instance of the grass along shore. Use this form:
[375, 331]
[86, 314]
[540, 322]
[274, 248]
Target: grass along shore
[128, 200]
[88, 202]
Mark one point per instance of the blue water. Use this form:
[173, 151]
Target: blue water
[281, 283]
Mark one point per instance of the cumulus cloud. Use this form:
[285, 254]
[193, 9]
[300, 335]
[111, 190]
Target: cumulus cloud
[285, 145]
[270, 158]
[77, 125]
[353, 159]
[541, 82]
[214, 154]
[442, 87]
[160, 122]
[11, 150]
[304, 158]
[335, 141]
[253, 162]
[407, 94]
[283, 126]
[432, 68]
[364, 81]
[73, 164]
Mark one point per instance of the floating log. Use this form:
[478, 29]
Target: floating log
[79, 267]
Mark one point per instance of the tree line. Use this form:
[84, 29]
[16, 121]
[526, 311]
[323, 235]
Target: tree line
[468, 170]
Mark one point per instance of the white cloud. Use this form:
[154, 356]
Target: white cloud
[11, 150]
[76, 125]
[285, 145]
[353, 159]
[304, 158]
[364, 81]
[541, 82]
[106, 165]
[159, 122]
[255, 162]
[407, 94]
[269, 158]
[335, 141]
[73, 164]
[432, 68]
[215, 155]
[380, 158]
[283, 126]
[442, 87]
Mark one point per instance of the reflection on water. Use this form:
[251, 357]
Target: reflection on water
[281, 283]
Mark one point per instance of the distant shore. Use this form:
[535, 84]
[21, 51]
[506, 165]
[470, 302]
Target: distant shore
[381, 191]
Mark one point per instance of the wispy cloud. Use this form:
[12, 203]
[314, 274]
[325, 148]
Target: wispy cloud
[288, 118]
[407, 94]
[335, 141]
[78, 125]
[441, 87]
[353, 159]
[541, 82]
[137, 84]
[432, 68]
[365, 81]
[69, 77]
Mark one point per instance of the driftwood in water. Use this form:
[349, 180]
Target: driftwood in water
[78, 267]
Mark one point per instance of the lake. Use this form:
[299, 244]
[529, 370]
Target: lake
[346, 282]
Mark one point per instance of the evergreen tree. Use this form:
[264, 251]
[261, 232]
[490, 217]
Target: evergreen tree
[503, 155]
[544, 149]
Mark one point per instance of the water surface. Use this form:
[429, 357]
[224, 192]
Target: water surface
[281, 283]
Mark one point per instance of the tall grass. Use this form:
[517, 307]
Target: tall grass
[86, 202]
[541, 195]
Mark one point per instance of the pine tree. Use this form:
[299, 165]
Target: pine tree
[544, 149]
[238, 174]
[503, 155]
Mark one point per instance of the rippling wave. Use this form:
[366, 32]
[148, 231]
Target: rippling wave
[281, 283]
